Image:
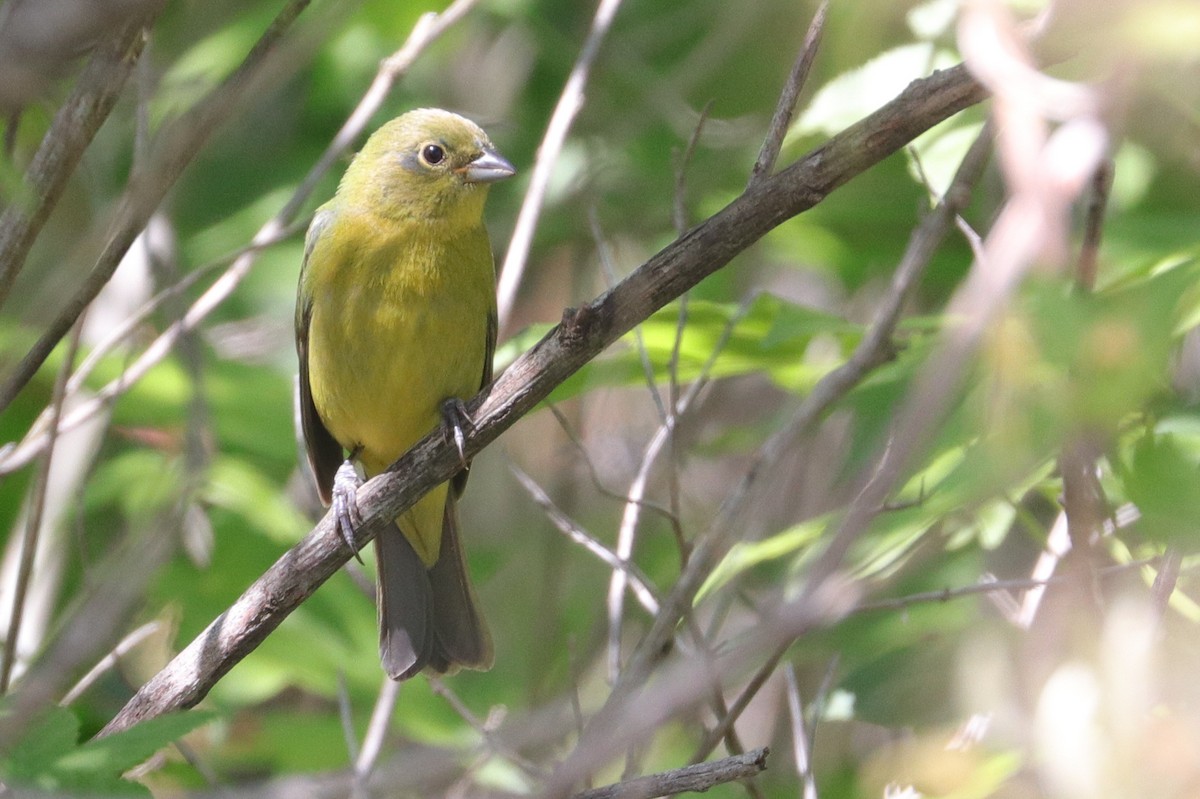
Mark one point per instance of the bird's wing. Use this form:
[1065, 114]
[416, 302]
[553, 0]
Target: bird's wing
[489, 353]
[459, 481]
[324, 452]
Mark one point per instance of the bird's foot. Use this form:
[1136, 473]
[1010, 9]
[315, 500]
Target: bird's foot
[346, 483]
[455, 420]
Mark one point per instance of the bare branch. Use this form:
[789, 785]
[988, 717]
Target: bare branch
[377, 728]
[33, 518]
[639, 582]
[485, 728]
[569, 104]
[697, 778]
[786, 106]
[123, 647]
[96, 92]
[679, 206]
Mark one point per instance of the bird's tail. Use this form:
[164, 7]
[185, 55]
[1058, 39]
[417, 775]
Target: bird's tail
[428, 618]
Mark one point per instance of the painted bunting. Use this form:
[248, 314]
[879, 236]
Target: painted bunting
[395, 326]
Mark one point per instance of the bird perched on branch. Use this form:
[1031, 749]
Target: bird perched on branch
[395, 326]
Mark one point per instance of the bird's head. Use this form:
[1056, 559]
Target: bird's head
[430, 164]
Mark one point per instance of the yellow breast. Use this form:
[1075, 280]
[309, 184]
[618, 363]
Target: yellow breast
[399, 324]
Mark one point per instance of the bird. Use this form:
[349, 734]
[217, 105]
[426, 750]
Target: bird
[395, 327]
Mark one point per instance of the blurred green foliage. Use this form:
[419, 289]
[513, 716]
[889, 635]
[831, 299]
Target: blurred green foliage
[206, 439]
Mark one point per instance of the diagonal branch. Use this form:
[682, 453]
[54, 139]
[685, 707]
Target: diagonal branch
[696, 778]
[62, 147]
[786, 106]
[581, 335]
[186, 137]
[570, 103]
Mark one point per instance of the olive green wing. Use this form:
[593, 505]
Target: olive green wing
[459, 481]
[324, 452]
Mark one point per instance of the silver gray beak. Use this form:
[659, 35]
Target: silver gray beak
[487, 168]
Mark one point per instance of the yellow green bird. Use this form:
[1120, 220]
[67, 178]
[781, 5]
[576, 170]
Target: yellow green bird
[395, 326]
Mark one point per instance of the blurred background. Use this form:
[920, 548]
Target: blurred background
[171, 493]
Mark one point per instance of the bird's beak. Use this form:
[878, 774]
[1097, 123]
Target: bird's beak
[487, 168]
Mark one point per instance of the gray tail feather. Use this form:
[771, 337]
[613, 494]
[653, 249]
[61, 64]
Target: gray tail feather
[461, 638]
[428, 618]
[405, 606]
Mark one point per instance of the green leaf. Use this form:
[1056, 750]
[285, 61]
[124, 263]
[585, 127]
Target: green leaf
[117, 753]
[772, 336]
[1164, 482]
[746, 555]
[50, 759]
[35, 754]
[237, 486]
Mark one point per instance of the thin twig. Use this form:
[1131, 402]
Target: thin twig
[15, 456]
[626, 536]
[594, 475]
[604, 254]
[33, 518]
[76, 122]
[753, 686]
[680, 217]
[346, 717]
[576, 705]
[1165, 580]
[801, 743]
[485, 729]
[697, 778]
[720, 707]
[569, 104]
[986, 586]
[123, 647]
[377, 728]
[786, 105]
[637, 580]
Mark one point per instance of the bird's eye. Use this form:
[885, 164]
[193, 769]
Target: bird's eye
[432, 154]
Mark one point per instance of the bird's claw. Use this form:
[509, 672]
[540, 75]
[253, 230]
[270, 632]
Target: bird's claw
[346, 483]
[454, 419]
